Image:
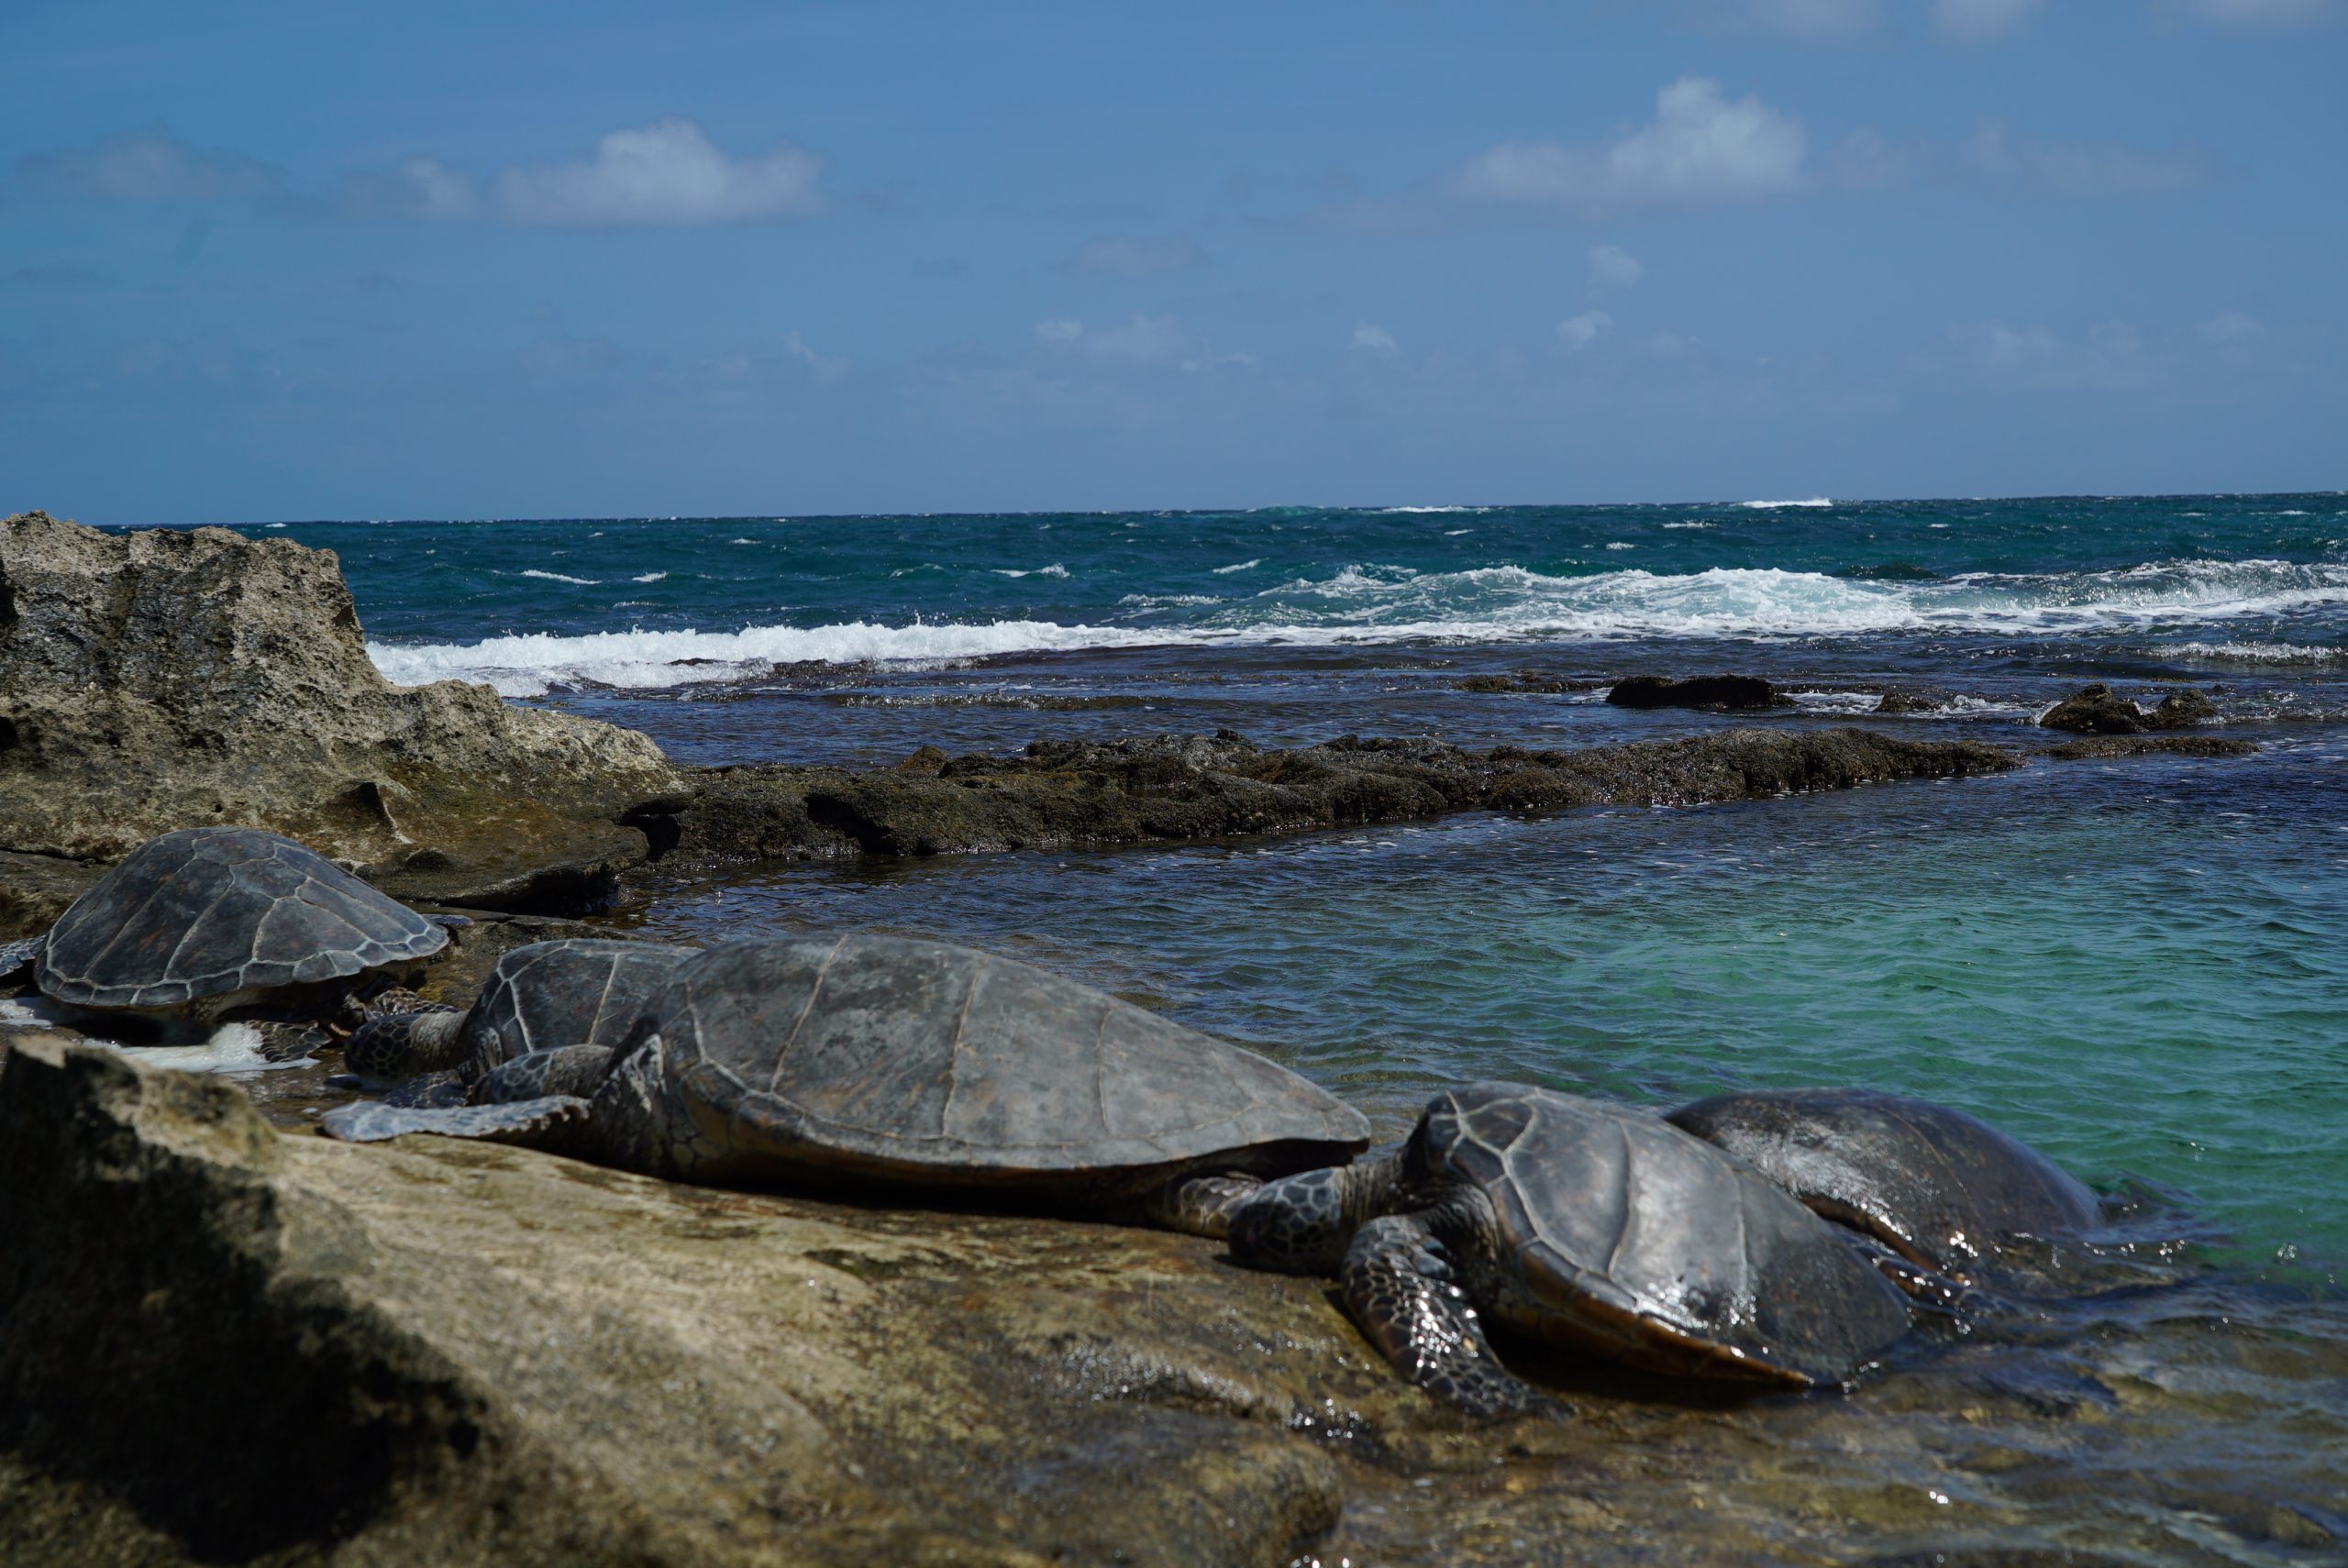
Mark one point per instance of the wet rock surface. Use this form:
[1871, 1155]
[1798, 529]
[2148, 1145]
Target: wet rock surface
[166, 678]
[1187, 787]
[2098, 710]
[223, 1343]
[2100, 747]
[1726, 692]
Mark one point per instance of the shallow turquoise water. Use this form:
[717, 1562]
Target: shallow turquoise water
[2136, 967]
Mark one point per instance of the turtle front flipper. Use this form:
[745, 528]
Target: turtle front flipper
[1398, 1286]
[539, 1123]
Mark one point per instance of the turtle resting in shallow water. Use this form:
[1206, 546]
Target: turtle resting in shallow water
[577, 993]
[885, 1065]
[208, 925]
[1944, 1190]
[1583, 1223]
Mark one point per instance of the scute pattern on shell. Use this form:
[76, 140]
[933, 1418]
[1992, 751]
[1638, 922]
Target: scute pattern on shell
[912, 1056]
[1617, 1226]
[571, 991]
[205, 911]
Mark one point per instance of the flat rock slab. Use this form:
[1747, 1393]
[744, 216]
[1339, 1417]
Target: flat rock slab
[222, 1343]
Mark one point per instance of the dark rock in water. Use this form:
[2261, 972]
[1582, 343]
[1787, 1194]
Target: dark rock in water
[1186, 787]
[1531, 680]
[2099, 747]
[2097, 710]
[1727, 691]
[161, 679]
[1913, 700]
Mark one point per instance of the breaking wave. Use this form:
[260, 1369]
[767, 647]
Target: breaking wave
[1380, 603]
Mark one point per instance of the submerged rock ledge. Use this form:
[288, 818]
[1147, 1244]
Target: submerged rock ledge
[1067, 793]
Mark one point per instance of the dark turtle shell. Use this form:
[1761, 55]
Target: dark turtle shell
[552, 994]
[1624, 1235]
[209, 912]
[1940, 1187]
[917, 1063]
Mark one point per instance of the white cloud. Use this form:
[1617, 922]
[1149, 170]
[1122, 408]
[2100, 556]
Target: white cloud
[2230, 328]
[1980, 21]
[1611, 267]
[1143, 341]
[1135, 256]
[2084, 167]
[419, 188]
[666, 173]
[1372, 338]
[1700, 147]
[1578, 331]
[1818, 18]
[2111, 358]
[149, 166]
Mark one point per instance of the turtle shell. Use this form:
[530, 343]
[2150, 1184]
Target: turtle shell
[212, 911]
[905, 1062]
[1623, 1234]
[575, 991]
[1940, 1187]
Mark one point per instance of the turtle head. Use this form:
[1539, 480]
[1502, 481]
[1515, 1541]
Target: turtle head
[394, 1047]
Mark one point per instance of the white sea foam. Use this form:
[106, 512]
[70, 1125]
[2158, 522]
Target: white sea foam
[651, 577]
[741, 541]
[1382, 604]
[558, 577]
[1776, 506]
[1055, 570]
[1455, 533]
[1238, 566]
[1687, 525]
[1621, 545]
[2258, 653]
[1393, 511]
[231, 1048]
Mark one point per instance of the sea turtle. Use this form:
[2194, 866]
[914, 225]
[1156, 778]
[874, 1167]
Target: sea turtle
[885, 1065]
[548, 996]
[206, 924]
[1580, 1223]
[1945, 1191]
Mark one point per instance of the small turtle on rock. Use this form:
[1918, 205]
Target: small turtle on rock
[549, 996]
[1583, 1223]
[206, 925]
[1944, 1190]
[881, 1065]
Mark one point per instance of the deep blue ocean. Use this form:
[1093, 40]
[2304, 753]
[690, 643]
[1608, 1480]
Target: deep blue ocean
[2140, 966]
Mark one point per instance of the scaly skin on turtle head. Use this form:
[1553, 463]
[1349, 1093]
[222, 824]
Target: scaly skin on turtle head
[1303, 1223]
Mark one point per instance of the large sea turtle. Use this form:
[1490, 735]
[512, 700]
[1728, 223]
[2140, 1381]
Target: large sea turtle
[1945, 1191]
[1580, 1223]
[884, 1064]
[575, 992]
[212, 923]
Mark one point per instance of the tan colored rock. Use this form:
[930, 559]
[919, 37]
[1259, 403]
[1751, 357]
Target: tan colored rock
[162, 679]
[223, 1343]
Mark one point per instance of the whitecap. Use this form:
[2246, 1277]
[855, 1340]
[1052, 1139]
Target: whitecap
[280, 525]
[1620, 544]
[1455, 533]
[741, 541]
[651, 576]
[1242, 565]
[1687, 525]
[1393, 511]
[1775, 505]
[558, 577]
[1055, 570]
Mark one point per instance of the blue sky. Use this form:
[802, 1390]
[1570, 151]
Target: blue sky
[266, 261]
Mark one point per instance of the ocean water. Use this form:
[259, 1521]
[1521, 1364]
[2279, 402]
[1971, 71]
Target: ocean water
[2140, 966]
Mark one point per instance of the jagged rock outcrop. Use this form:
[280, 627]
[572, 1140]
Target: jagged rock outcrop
[1179, 787]
[2096, 748]
[166, 678]
[2096, 709]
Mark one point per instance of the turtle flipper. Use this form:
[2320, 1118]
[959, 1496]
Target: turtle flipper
[1397, 1286]
[393, 1046]
[1202, 1206]
[534, 1123]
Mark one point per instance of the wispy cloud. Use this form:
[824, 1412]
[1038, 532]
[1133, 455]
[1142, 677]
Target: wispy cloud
[1371, 339]
[1702, 147]
[2081, 168]
[1143, 341]
[1578, 331]
[1135, 256]
[666, 173]
[1611, 267]
[150, 165]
